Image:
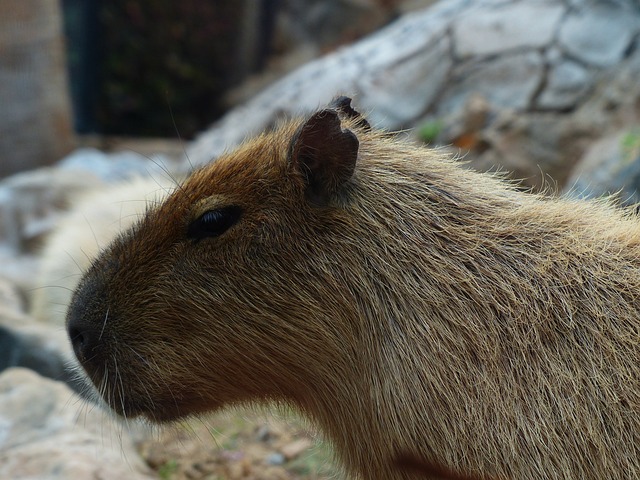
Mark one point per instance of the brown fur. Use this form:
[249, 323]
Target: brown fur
[410, 307]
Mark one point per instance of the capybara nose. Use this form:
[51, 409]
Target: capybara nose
[85, 338]
[86, 321]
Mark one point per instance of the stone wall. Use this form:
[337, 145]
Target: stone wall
[35, 125]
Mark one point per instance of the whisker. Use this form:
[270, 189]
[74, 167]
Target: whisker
[175, 126]
[104, 324]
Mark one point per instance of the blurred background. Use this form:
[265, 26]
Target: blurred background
[153, 68]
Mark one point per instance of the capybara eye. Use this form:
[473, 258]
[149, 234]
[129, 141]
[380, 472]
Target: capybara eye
[213, 223]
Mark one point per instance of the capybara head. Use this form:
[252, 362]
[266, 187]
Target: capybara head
[226, 291]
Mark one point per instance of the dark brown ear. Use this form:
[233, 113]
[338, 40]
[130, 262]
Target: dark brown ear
[325, 154]
[343, 105]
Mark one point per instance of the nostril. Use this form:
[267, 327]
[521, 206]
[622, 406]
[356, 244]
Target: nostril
[78, 341]
[85, 339]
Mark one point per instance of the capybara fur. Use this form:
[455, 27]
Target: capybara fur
[410, 307]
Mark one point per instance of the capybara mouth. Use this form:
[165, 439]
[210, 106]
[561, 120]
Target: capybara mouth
[120, 381]
[157, 413]
[135, 404]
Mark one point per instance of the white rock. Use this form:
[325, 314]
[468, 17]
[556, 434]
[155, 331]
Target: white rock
[350, 71]
[19, 269]
[30, 200]
[507, 82]
[412, 69]
[419, 77]
[567, 83]
[113, 167]
[608, 168]
[519, 25]
[27, 343]
[9, 296]
[600, 34]
[48, 433]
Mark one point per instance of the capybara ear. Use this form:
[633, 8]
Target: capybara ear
[325, 154]
[343, 105]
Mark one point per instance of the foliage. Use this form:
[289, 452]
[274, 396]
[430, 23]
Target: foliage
[631, 145]
[430, 130]
[168, 470]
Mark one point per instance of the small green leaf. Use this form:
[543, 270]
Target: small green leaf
[429, 131]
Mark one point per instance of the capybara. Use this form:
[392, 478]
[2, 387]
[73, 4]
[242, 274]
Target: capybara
[409, 306]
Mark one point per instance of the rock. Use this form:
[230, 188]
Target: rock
[30, 205]
[19, 269]
[352, 70]
[482, 32]
[275, 459]
[420, 78]
[42, 348]
[518, 76]
[599, 33]
[610, 166]
[609, 118]
[30, 200]
[544, 60]
[567, 83]
[47, 432]
[117, 166]
[34, 351]
[536, 149]
[10, 298]
[26, 343]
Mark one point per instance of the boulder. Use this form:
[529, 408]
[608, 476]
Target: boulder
[508, 27]
[611, 166]
[49, 433]
[599, 33]
[118, 166]
[27, 343]
[30, 200]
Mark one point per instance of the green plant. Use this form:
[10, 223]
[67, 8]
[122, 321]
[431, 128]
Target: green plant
[630, 145]
[430, 130]
[168, 470]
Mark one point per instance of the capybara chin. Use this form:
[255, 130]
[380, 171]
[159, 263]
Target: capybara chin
[410, 307]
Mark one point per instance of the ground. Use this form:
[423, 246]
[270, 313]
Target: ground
[240, 445]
